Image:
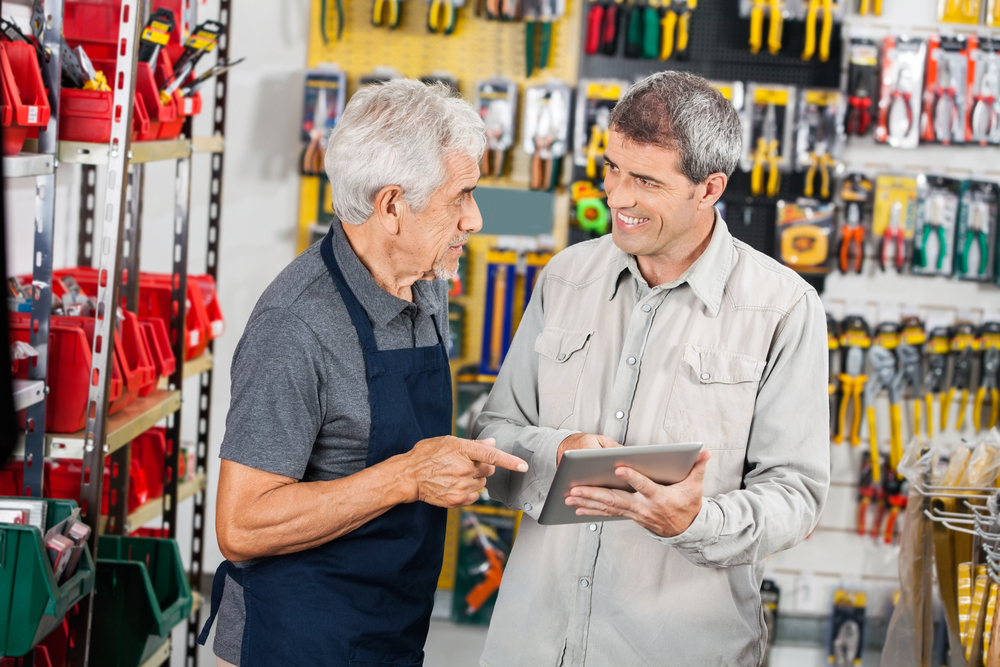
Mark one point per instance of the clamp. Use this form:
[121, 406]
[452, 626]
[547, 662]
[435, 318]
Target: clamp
[852, 235]
[978, 228]
[894, 239]
[811, 20]
[985, 119]
[935, 221]
[767, 154]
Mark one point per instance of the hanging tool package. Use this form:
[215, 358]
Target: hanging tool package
[540, 16]
[594, 101]
[496, 101]
[546, 131]
[984, 116]
[945, 88]
[902, 79]
[322, 105]
[804, 230]
[776, 12]
[767, 136]
[894, 218]
[820, 140]
[937, 217]
[976, 239]
[855, 209]
[819, 17]
[862, 85]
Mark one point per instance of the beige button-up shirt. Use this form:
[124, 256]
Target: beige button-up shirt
[732, 354]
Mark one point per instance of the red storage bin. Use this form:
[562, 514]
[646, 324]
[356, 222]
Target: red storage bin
[162, 116]
[62, 479]
[70, 343]
[93, 24]
[85, 115]
[137, 366]
[149, 450]
[154, 301]
[25, 102]
[158, 344]
[217, 325]
[11, 478]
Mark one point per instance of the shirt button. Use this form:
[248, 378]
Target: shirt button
[620, 414]
[631, 361]
[584, 583]
[562, 355]
[593, 527]
[646, 308]
[527, 507]
[706, 376]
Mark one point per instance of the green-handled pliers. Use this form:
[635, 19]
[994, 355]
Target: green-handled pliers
[935, 221]
[543, 28]
[324, 19]
[392, 19]
[441, 16]
[978, 228]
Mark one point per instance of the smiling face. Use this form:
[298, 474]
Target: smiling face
[658, 213]
[433, 239]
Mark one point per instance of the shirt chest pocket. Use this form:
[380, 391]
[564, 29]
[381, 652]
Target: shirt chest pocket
[562, 354]
[713, 397]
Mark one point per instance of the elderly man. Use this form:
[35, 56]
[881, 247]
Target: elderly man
[337, 463]
[668, 330]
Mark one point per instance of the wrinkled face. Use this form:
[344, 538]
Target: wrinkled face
[653, 205]
[434, 238]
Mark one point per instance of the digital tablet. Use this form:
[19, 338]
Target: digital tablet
[664, 464]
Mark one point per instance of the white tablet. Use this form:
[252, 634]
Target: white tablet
[664, 464]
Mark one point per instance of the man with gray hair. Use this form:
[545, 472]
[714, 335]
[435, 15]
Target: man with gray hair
[667, 330]
[337, 463]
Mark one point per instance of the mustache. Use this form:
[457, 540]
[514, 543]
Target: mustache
[459, 240]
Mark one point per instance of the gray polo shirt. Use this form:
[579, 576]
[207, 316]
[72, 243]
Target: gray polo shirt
[299, 403]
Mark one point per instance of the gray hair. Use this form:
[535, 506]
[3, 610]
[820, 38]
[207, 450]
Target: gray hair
[398, 133]
[683, 112]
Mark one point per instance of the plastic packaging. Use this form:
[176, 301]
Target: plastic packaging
[902, 80]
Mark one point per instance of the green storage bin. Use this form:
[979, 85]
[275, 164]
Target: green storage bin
[142, 592]
[32, 603]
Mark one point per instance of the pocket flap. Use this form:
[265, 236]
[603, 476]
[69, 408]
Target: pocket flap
[560, 344]
[712, 365]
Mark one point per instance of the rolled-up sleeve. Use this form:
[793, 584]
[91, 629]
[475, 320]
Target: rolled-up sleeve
[788, 454]
[510, 415]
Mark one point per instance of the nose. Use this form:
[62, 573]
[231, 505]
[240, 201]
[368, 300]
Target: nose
[620, 195]
[471, 220]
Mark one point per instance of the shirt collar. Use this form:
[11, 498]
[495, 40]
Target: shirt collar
[380, 306]
[706, 276]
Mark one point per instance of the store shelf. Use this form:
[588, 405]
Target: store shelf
[137, 418]
[213, 144]
[27, 392]
[195, 366]
[161, 656]
[27, 164]
[141, 151]
[154, 508]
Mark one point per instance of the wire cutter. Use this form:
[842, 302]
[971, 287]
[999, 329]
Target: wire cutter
[775, 9]
[441, 17]
[324, 19]
[962, 347]
[945, 112]
[936, 222]
[910, 374]
[934, 380]
[883, 371]
[988, 385]
[852, 237]
[900, 111]
[823, 161]
[985, 120]
[979, 229]
[894, 239]
[852, 381]
[767, 154]
[392, 20]
[897, 501]
[812, 17]
[598, 143]
[859, 118]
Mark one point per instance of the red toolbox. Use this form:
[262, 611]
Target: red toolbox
[25, 104]
[85, 115]
[70, 343]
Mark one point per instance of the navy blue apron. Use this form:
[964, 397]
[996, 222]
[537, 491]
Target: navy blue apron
[363, 599]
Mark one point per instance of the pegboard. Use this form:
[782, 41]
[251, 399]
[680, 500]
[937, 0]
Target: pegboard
[478, 49]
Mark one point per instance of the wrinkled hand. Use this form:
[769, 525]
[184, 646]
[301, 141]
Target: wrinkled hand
[450, 472]
[666, 511]
[584, 441]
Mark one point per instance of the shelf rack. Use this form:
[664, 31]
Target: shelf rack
[119, 243]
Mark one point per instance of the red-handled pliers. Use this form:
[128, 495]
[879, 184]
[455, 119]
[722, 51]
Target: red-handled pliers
[595, 17]
[853, 234]
[859, 117]
[893, 236]
[900, 104]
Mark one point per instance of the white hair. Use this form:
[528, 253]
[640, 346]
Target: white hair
[398, 133]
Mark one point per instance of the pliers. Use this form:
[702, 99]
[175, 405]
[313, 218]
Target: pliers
[392, 20]
[962, 347]
[909, 374]
[884, 370]
[441, 17]
[978, 228]
[539, 21]
[767, 154]
[893, 238]
[988, 385]
[852, 378]
[822, 161]
[868, 6]
[677, 18]
[853, 234]
[598, 143]
[985, 120]
[324, 19]
[812, 17]
[859, 118]
[900, 110]
[935, 221]
[934, 380]
[776, 7]
[945, 112]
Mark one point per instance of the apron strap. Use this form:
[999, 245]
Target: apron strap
[357, 312]
[218, 586]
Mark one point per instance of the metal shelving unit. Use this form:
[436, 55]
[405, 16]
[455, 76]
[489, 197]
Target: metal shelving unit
[116, 253]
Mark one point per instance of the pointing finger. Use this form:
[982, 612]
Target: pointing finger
[496, 457]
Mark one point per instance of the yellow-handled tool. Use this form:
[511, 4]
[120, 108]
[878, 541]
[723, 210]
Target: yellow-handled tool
[757, 25]
[873, 440]
[775, 27]
[988, 386]
[896, 435]
[669, 26]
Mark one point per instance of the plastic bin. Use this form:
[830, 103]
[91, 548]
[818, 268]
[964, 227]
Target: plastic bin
[32, 603]
[149, 449]
[25, 102]
[217, 324]
[62, 480]
[135, 360]
[158, 344]
[94, 25]
[141, 593]
[154, 301]
[85, 115]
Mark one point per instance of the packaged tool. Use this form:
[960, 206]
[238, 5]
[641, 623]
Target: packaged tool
[767, 135]
[594, 102]
[899, 104]
[322, 106]
[547, 110]
[805, 230]
[676, 18]
[962, 346]
[855, 339]
[989, 378]
[201, 41]
[442, 15]
[510, 281]
[496, 101]
[855, 209]
[486, 535]
[993, 13]
[539, 15]
[976, 239]
[953, 11]
[776, 11]
[155, 34]
[934, 232]
[833, 345]
[984, 94]
[819, 15]
[819, 142]
[846, 642]
[862, 85]
[732, 91]
[603, 27]
[935, 385]
[499, 10]
[946, 89]
[894, 218]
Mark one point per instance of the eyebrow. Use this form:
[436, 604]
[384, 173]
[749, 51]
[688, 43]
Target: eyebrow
[469, 189]
[635, 175]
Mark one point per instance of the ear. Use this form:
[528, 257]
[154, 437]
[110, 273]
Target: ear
[711, 190]
[390, 207]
